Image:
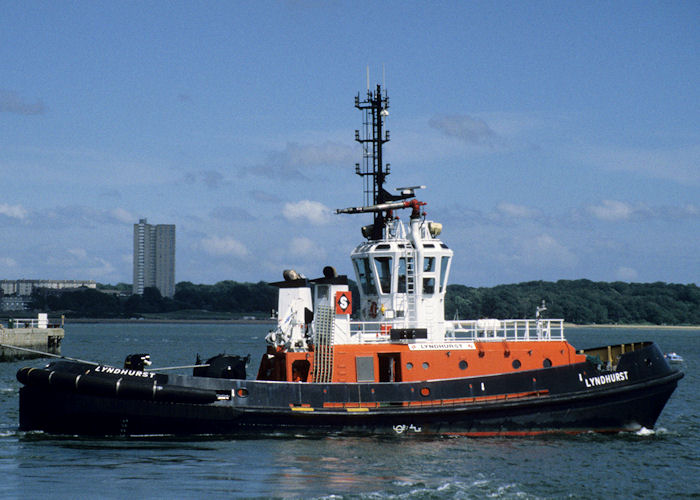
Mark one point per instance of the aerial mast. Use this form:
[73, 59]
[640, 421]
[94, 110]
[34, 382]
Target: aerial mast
[375, 108]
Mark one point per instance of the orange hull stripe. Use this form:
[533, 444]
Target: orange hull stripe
[442, 402]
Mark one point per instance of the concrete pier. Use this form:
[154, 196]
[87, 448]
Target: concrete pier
[36, 333]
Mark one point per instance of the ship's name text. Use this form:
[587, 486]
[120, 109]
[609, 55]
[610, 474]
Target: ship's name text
[123, 371]
[609, 378]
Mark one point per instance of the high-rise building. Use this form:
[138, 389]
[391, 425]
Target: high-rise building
[154, 257]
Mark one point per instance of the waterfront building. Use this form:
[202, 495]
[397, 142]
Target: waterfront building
[15, 295]
[26, 287]
[154, 257]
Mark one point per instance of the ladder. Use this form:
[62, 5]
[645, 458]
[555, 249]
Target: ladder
[410, 288]
[323, 353]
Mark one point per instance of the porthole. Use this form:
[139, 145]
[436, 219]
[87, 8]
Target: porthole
[516, 363]
[409, 366]
[426, 365]
[242, 392]
[547, 363]
[463, 365]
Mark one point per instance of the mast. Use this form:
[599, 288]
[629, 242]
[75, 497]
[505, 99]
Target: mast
[373, 170]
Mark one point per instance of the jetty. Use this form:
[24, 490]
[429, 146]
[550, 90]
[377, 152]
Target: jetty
[23, 338]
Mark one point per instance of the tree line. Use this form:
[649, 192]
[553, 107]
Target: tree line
[116, 301]
[576, 301]
[580, 301]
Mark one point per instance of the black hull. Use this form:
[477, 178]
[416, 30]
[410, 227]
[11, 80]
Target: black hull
[575, 398]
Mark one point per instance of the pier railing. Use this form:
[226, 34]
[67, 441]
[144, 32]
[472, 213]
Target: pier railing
[482, 330]
[42, 321]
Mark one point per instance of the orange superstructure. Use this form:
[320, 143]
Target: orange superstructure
[399, 363]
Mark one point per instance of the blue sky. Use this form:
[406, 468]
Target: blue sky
[557, 140]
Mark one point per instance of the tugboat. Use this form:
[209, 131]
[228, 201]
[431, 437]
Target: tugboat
[400, 368]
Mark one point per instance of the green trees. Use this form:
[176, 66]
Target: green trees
[576, 301]
[580, 301]
[225, 297]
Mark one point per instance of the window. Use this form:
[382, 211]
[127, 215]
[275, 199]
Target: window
[364, 276]
[402, 275]
[443, 272]
[428, 282]
[383, 265]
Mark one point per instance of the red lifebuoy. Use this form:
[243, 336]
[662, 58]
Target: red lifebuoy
[373, 309]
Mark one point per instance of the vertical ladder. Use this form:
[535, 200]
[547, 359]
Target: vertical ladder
[410, 287]
[323, 354]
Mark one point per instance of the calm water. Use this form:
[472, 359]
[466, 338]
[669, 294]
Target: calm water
[661, 464]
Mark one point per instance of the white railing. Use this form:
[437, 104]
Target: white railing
[42, 321]
[482, 330]
[371, 331]
[506, 329]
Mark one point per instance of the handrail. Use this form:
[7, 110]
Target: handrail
[482, 330]
[44, 322]
[507, 329]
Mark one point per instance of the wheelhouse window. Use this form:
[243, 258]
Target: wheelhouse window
[444, 263]
[364, 276]
[428, 285]
[402, 275]
[383, 265]
[428, 281]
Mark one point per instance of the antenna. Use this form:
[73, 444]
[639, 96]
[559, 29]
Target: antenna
[368, 78]
[373, 170]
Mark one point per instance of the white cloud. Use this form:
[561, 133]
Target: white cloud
[518, 211]
[307, 251]
[100, 268]
[222, 246]
[313, 211]
[465, 128]
[123, 216]
[311, 155]
[212, 179]
[302, 246]
[80, 253]
[295, 158]
[547, 247]
[7, 262]
[691, 210]
[624, 273]
[677, 165]
[541, 250]
[612, 210]
[14, 211]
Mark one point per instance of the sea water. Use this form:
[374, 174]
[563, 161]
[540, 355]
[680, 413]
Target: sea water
[659, 463]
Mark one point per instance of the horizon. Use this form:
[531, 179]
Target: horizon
[556, 141]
